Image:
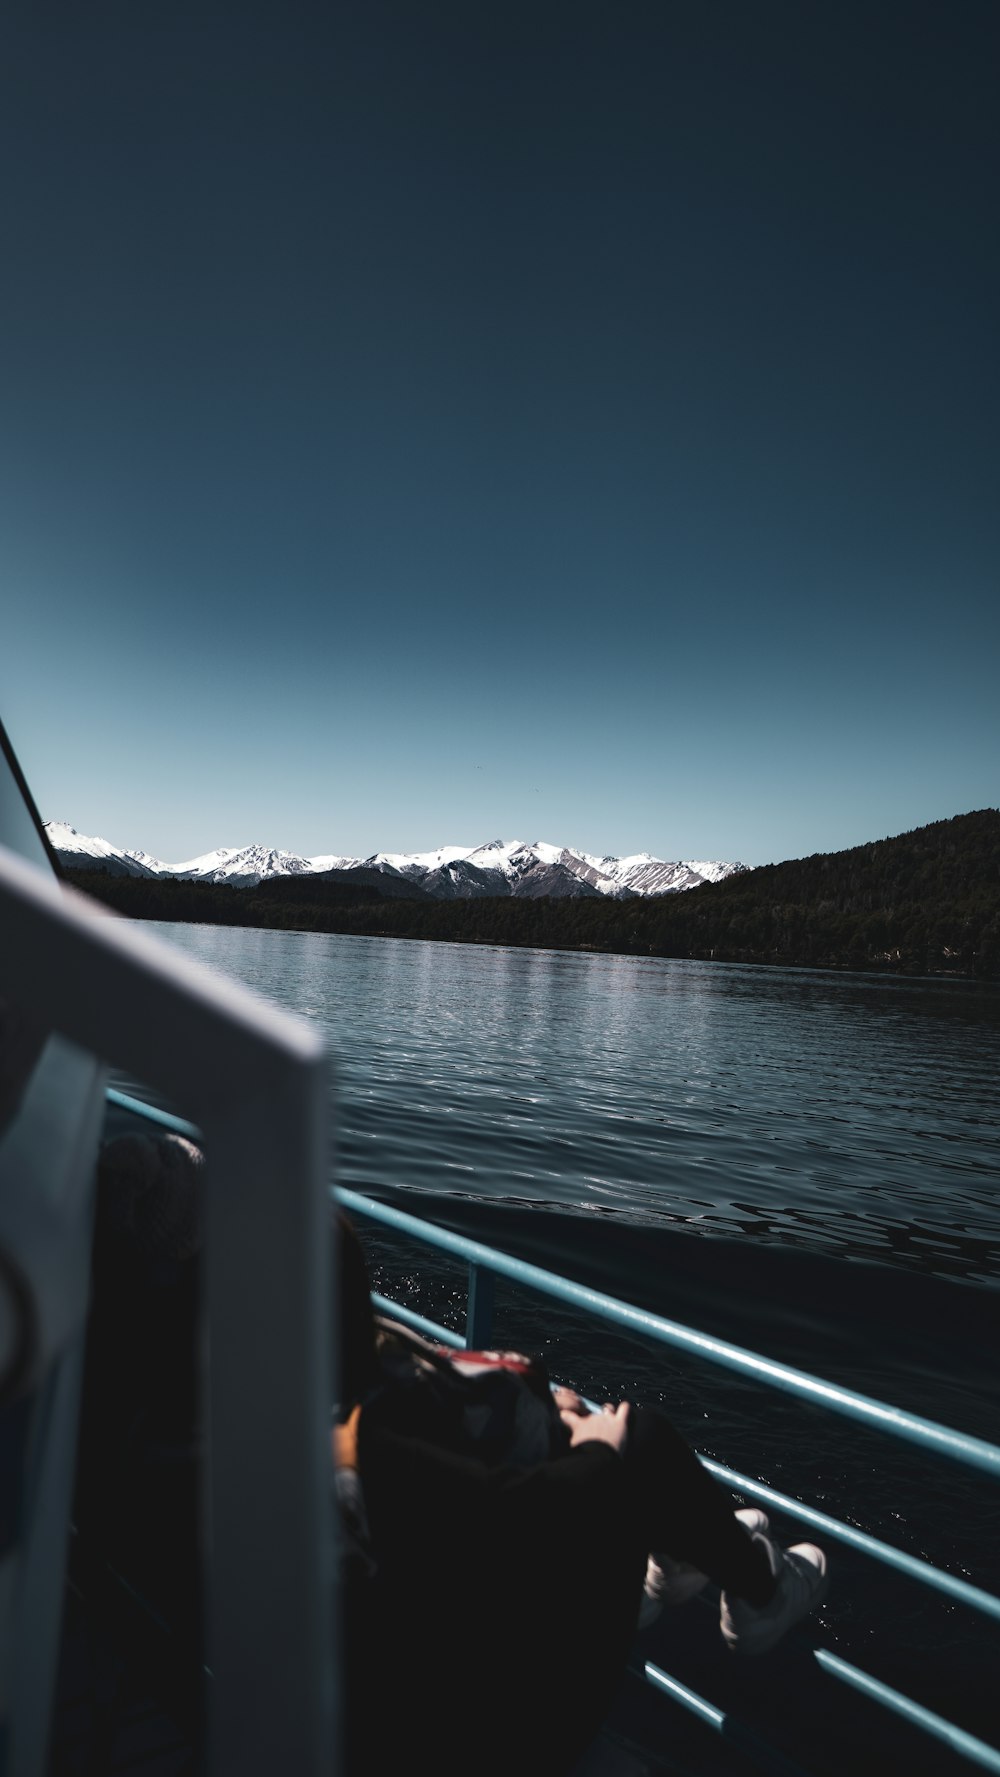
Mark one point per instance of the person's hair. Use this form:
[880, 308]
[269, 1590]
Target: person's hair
[357, 1362]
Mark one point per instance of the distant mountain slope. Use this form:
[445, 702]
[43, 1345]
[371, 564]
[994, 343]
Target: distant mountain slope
[243, 866]
[78, 852]
[501, 867]
[926, 902]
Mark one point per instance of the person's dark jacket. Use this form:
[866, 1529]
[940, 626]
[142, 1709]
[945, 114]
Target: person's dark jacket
[495, 1631]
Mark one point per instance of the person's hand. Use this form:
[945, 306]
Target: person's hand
[568, 1401]
[609, 1426]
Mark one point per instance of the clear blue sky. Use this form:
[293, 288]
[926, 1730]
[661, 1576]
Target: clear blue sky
[430, 422]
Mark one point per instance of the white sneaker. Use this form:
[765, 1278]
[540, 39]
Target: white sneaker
[802, 1584]
[675, 1582]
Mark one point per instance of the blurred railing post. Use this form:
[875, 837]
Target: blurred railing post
[256, 1081]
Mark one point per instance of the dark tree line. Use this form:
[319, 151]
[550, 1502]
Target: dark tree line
[927, 902]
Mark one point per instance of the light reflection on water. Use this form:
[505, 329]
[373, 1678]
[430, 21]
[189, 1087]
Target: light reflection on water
[850, 1113]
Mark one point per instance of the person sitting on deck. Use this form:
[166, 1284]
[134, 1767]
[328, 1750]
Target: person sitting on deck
[492, 1586]
[483, 1575]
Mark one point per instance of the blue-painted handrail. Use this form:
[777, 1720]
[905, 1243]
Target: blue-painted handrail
[911, 1565]
[935, 1438]
[485, 1263]
[966, 1745]
[420, 1323]
[151, 1113]
[940, 1438]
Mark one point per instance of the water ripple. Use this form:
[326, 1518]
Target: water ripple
[799, 1108]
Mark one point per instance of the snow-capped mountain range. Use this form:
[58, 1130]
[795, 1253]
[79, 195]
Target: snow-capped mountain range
[501, 867]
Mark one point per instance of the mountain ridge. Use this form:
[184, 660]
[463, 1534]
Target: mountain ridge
[450, 872]
[926, 902]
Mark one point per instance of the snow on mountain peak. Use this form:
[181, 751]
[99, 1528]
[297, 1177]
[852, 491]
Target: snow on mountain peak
[501, 866]
[244, 864]
[423, 860]
[79, 851]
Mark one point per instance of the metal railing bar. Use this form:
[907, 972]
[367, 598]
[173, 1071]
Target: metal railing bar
[965, 1744]
[961, 1590]
[732, 1730]
[957, 1446]
[918, 1569]
[913, 1565]
[419, 1322]
[479, 1311]
[152, 1114]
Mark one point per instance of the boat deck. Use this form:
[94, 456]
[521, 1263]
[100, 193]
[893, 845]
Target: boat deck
[112, 1718]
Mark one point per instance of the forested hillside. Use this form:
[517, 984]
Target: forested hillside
[926, 902]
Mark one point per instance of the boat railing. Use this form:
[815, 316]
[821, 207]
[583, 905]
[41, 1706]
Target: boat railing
[257, 1080]
[485, 1263]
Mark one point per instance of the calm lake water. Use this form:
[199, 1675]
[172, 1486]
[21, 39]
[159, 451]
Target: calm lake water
[807, 1163]
[832, 1113]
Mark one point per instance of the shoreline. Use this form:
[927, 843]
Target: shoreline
[883, 970]
[925, 904]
